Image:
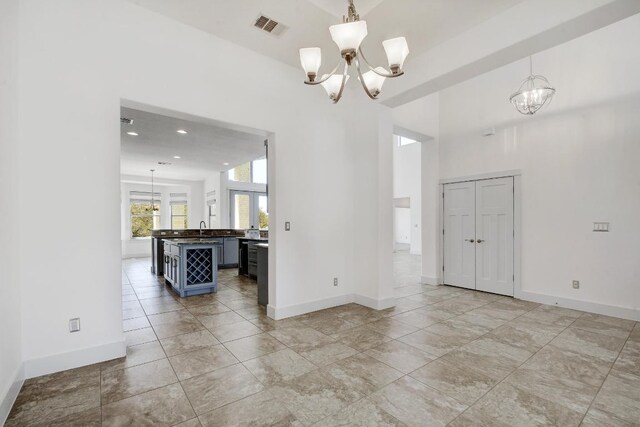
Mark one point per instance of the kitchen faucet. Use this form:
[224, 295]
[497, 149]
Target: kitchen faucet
[202, 224]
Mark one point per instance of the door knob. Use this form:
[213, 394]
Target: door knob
[469, 240]
[480, 241]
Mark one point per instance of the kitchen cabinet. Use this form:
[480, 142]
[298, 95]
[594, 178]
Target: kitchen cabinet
[191, 266]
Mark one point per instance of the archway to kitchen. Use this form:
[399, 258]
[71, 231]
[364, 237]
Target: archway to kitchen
[194, 214]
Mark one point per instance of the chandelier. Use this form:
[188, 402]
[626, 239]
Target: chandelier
[534, 93]
[348, 36]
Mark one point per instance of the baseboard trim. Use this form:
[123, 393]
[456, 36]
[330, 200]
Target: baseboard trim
[426, 280]
[588, 306]
[7, 401]
[74, 359]
[279, 313]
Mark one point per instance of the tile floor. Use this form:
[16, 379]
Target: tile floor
[442, 356]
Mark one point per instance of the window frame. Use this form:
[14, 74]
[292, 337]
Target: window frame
[154, 214]
[185, 216]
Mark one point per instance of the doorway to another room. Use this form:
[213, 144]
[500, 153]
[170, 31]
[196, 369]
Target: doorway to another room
[407, 224]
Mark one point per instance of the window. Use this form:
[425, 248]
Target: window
[179, 217]
[144, 218]
[402, 141]
[255, 172]
[248, 209]
[178, 202]
[212, 215]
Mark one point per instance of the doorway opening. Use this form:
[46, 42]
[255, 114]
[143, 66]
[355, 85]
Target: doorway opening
[181, 234]
[407, 212]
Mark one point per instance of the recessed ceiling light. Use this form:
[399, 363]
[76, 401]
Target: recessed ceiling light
[182, 131]
[132, 133]
[226, 164]
[176, 157]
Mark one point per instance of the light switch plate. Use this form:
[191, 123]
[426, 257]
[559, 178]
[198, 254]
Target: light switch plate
[74, 324]
[576, 284]
[287, 226]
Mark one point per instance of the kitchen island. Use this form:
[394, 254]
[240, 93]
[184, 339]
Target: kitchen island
[190, 265]
[248, 256]
[227, 255]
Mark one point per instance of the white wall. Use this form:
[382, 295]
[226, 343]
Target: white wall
[10, 313]
[172, 66]
[579, 162]
[407, 174]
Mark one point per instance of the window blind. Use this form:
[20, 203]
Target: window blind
[144, 197]
[177, 199]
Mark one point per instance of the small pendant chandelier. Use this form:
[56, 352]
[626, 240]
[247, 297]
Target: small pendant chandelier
[348, 37]
[534, 93]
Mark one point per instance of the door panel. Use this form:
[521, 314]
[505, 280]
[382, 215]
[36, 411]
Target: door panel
[494, 236]
[459, 225]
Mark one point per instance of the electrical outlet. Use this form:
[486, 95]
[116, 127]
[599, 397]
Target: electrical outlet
[335, 281]
[74, 324]
[576, 284]
[287, 226]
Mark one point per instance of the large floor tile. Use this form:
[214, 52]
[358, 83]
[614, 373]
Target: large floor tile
[139, 336]
[488, 357]
[363, 373]
[188, 342]
[463, 384]
[280, 366]
[136, 355]
[401, 356]
[607, 325]
[260, 409]
[392, 328]
[415, 404]
[165, 406]
[218, 388]
[254, 346]
[629, 358]
[569, 392]
[421, 318]
[432, 343]
[361, 338]
[569, 365]
[193, 363]
[325, 354]
[507, 405]
[300, 338]
[363, 413]
[605, 347]
[620, 396]
[315, 396]
[123, 383]
[234, 331]
[530, 339]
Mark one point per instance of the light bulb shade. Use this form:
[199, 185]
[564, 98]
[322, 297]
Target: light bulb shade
[311, 59]
[348, 36]
[332, 84]
[397, 50]
[374, 81]
[534, 93]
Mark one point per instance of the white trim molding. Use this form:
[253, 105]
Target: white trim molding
[7, 401]
[588, 306]
[74, 359]
[279, 313]
[426, 280]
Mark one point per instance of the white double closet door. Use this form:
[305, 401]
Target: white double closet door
[478, 235]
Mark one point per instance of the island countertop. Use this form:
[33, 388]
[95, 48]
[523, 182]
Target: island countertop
[206, 241]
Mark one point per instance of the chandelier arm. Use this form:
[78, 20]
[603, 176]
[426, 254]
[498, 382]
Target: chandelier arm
[317, 82]
[344, 82]
[389, 74]
[364, 85]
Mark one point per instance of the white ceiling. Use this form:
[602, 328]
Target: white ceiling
[425, 23]
[203, 150]
[338, 8]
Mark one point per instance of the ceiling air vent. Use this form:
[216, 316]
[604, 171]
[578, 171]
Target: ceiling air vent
[269, 25]
[126, 121]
